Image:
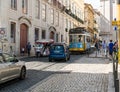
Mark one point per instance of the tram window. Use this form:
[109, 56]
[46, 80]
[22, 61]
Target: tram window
[88, 39]
[71, 38]
[81, 38]
[75, 38]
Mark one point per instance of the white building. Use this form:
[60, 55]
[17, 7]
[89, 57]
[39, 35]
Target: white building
[105, 28]
[29, 20]
[108, 9]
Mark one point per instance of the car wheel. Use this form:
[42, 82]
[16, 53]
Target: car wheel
[23, 73]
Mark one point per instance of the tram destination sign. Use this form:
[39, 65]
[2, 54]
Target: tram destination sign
[76, 30]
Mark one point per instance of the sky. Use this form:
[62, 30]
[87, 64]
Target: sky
[94, 3]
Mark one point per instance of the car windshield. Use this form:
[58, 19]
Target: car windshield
[6, 57]
[57, 47]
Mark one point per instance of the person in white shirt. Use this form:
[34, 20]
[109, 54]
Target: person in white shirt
[104, 47]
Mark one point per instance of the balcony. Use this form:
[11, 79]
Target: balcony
[68, 11]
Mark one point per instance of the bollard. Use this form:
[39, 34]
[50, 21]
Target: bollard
[96, 53]
[115, 77]
[117, 85]
[88, 52]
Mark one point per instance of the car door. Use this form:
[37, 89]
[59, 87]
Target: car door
[14, 67]
[4, 70]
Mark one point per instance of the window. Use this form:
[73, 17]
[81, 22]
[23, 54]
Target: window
[14, 4]
[37, 9]
[61, 38]
[52, 16]
[57, 18]
[56, 37]
[43, 34]
[44, 12]
[24, 6]
[13, 31]
[36, 34]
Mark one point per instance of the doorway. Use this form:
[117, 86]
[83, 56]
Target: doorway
[52, 35]
[23, 36]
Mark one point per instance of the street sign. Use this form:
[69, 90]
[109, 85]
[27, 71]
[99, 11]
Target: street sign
[115, 28]
[116, 23]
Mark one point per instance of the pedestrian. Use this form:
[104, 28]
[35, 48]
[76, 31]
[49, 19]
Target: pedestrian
[110, 49]
[97, 46]
[104, 47]
[28, 48]
[115, 47]
[22, 51]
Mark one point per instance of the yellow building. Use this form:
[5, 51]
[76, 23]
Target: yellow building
[89, 19]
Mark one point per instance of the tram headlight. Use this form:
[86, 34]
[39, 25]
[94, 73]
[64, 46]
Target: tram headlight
[81, 46]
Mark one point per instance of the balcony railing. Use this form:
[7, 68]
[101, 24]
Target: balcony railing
[73, 15]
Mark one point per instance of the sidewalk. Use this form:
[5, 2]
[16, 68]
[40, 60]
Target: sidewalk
[24, 56]
[111, 87]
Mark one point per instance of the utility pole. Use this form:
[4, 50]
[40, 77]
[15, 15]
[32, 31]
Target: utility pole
[118, 19]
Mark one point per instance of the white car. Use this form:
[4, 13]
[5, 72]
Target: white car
[11, 68]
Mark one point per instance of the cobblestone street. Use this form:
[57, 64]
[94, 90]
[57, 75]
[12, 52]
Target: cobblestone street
[80, 74]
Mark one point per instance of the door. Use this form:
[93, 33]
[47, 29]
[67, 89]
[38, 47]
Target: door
[52, 35]
[14, 67]
[23, 36]
[4, 70]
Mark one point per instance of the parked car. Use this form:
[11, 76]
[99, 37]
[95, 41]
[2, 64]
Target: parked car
[59, 51]
[11, 68]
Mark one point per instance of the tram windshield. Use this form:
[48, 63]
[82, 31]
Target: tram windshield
[76, 38]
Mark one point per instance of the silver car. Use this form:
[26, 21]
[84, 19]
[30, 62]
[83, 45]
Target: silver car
[11, 68]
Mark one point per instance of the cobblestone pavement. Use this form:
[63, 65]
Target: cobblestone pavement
[77, 75]
[74, 82]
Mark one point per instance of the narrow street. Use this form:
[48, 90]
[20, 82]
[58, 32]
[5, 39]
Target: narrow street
[80, 74]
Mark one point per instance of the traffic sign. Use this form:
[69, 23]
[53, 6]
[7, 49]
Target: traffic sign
[115, 28]
[116, 23]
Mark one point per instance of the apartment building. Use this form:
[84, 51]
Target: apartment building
[89, 19]
[23, 21]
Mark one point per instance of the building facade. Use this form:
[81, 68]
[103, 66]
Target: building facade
[104, 28]
[96, 24]
[24, 21]
[89, 19]
[108, 10]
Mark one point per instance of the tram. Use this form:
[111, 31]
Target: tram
[79, 40]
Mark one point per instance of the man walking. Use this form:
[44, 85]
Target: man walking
[104, 47]
[28, 48]
[111, 49]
